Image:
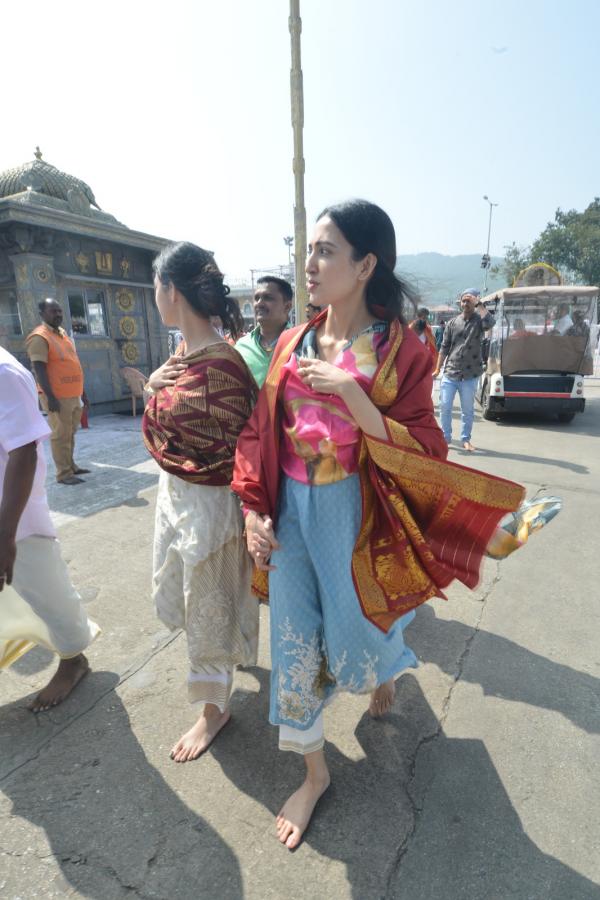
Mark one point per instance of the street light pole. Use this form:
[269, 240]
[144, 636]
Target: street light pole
[487, 252]
[297, 105]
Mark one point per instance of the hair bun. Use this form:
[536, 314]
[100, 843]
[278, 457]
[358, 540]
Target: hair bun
[195, 273]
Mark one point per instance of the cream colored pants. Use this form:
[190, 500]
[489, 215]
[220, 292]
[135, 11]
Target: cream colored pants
[64, 424]
[201, 583]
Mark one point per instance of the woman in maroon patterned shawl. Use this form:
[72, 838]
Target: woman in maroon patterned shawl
[201, 400]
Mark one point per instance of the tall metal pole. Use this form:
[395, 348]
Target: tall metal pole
[297, 104]
[487, 252]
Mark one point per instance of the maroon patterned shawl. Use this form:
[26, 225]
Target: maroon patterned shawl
[191, 429]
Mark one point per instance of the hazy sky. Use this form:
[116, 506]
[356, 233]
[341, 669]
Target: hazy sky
[177, 114]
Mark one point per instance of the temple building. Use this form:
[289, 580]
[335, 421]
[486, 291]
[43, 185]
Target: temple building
[55, 241]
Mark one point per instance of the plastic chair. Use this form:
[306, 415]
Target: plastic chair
[136, 381]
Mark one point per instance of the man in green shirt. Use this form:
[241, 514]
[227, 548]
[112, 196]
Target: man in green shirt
[272, 304]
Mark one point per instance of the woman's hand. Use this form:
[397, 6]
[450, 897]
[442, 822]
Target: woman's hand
[167, 374]
[260, 540]
[324, 377]
[328, 379]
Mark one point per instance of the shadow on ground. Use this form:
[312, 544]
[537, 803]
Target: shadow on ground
[419, 815]
[113, 824]
[583, 423]
[523, 457]
[512, 672]
[367, 817]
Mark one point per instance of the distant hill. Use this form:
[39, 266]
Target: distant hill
[439, 278]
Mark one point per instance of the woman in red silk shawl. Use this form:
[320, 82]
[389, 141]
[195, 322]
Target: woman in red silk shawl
[202, 399]
[353, 516]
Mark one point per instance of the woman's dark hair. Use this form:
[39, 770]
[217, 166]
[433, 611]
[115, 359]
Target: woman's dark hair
[196, 275]
[369, 230]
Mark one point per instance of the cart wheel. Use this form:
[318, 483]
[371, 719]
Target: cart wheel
[566, 417]
[486, 412]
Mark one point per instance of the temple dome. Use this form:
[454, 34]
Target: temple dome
[43, 178]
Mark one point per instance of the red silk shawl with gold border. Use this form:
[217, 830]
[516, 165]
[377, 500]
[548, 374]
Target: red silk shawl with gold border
[191, 429]
[425, 521]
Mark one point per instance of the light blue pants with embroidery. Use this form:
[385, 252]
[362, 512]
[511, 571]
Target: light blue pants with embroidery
[320, 640]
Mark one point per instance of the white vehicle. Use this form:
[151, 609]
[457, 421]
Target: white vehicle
[539, 350]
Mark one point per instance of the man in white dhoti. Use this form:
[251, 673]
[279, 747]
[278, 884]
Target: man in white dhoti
[30, 557]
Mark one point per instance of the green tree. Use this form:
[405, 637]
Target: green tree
[572, 242]
[515, 258]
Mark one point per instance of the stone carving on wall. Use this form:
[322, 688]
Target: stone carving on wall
[125, 299]
[130, 352]
[128, 326]
[125, 266]
[23, 237]
[83, 262]
[103, 263]
[41, 275]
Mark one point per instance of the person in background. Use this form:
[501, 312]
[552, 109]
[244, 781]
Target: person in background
[217, 324]
[561, 319]
[175, 338]
[519, 330]
[59, 376]
[580, 327]
[422, 329]
[460, 358]
[30, 557]
[312, 310]
[439, 334]
[272, 304]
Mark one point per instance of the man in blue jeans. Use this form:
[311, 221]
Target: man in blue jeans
[461, 362]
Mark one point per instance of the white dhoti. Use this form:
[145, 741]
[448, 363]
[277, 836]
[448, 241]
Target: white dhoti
[42, 607]
[201, 583]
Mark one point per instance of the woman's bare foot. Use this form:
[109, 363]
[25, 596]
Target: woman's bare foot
[201, 735]
[296, 813]
[382, 699]
[468, 446]
[67, 676]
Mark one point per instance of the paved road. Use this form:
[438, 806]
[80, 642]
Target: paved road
[481, 785]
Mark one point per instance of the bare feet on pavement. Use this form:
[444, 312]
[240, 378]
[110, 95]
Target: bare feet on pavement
[467, 445]
[201, 735]
[67, 676]
[382, 699]
[296, 813]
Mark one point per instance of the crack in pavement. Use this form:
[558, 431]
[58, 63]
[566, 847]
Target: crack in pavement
[129, 887]
[125, 886]
[127, 674]
[426, 739]
[99, 865]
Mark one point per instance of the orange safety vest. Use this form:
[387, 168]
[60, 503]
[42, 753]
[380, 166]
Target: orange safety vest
[64, 369]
